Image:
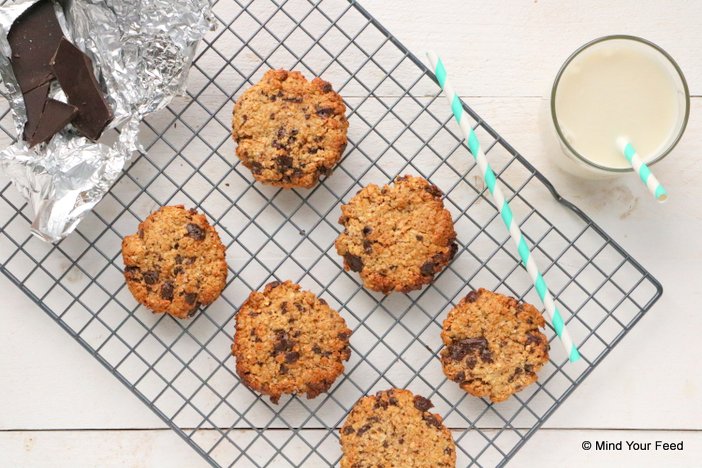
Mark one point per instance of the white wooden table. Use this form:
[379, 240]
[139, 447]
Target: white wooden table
[59, 407]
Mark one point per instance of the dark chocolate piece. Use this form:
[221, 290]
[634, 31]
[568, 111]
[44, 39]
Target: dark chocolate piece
[34, 37]
[56, 115]
[74, 71]
[34, 102]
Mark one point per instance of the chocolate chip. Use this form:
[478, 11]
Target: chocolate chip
[192, 311]
[296, 99]
[282, 342]
[195, 232]
[348, 430]
[448, 451]
[316, 349]
[150, 277]
[532, 339]
[427, 269]
[256, 167]
[363, 429]
[453, 250]
[131, 269]
[421, 403]
[167, 291]
[307, 116]
[284, 162]
[367, 230]
[486, 355]
[323, 170]
[419, 237]
[393, 401]
[273, 284]
[313, 150]
[178, 259]
[460, 349]
[380, 402]
[325, 112]
[354, 262]
[472, 296]
[431, 420]
[401, 440]
[190, 298]
[283, 369]
[327, 87]
[315, 388]
[343, 336]
[291, 357]
[528, 368]
[367, 246]
[177, 270]
[141, 233]
[471, 362]
[322, 301]
[434, 191]
[271, 117]
[385, 444]
[460, 377]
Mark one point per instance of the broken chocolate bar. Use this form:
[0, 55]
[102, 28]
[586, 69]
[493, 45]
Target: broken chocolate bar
[34, 38]
[34, 102]
[74, 71]
[56, 115]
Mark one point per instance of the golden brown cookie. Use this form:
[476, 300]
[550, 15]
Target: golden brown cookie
[397, 237]
[494, 345]
[289, 341]
[175, 262]
[394, 428]
[289, 131]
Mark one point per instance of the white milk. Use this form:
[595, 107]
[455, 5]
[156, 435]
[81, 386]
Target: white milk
[619, 87]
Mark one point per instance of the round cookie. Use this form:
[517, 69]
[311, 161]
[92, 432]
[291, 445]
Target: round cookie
[289, 131]
[175, 262]
[289, 341]
[494, 345]
[397, 237]
[395, 428]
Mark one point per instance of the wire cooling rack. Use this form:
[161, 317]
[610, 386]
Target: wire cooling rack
[183, 370]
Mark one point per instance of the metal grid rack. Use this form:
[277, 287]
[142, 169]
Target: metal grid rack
[183, 370]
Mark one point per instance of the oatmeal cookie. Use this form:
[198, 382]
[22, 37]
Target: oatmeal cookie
[494, 345]
[397, 237]
[289, 341]
[175, 262]
[289, 131]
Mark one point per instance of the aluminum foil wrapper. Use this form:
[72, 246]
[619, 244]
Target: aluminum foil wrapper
[141, 51]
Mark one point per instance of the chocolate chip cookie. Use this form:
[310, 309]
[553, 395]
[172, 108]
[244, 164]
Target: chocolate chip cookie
[175, 262]
[394, 428]
[289, 341]
[494, 345]
[289, 131]
[397, 237]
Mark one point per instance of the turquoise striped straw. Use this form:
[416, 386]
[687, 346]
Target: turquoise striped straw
[642, 170]
[507, 216]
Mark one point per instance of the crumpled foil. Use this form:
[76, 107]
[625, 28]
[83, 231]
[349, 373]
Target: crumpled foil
[141, 51]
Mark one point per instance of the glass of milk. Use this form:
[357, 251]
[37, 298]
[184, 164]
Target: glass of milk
[617, 86]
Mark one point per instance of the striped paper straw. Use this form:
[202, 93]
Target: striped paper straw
[507, 216]
[642, 170]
